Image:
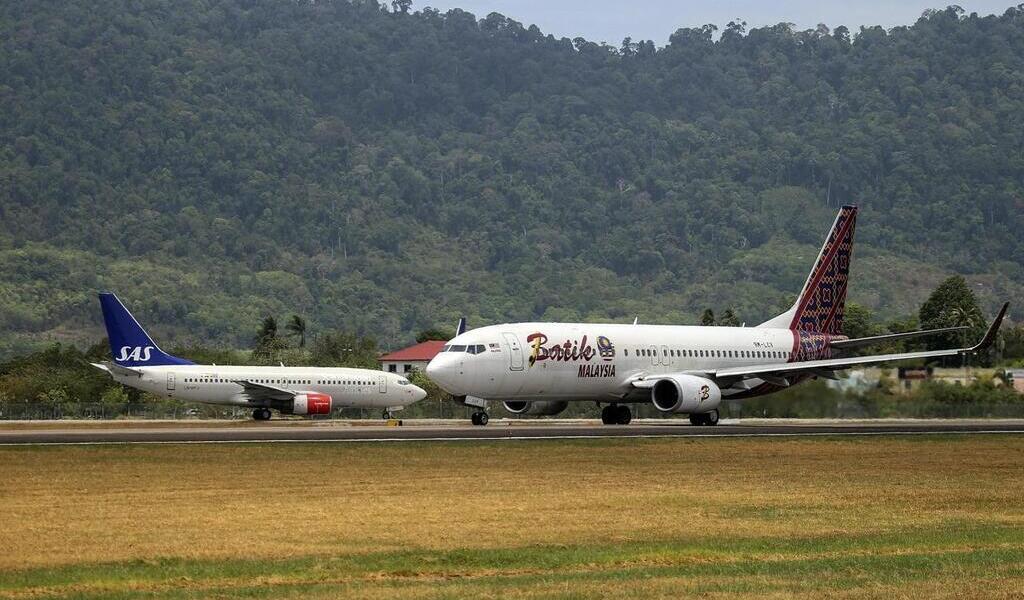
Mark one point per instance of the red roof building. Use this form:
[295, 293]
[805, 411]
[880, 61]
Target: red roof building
[413, 357]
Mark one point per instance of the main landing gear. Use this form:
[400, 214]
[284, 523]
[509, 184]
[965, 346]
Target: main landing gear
[616, 414]
[479, 418]
[261, 414]
[708, 418]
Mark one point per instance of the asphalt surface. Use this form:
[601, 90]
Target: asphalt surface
[333, 431]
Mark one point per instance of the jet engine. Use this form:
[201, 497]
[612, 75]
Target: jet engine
[308, 403]
[542, 408]
[685, 394]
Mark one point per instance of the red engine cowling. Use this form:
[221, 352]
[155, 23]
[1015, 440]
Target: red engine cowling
[311, 403]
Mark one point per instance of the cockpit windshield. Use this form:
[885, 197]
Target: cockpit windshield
[471, 349]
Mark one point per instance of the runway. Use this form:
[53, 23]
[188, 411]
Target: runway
[57, 433]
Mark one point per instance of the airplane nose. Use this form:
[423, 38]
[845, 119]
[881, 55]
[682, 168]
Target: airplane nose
[419, 394]
[439, 371]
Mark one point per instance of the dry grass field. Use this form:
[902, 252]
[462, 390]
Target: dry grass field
[875, 517]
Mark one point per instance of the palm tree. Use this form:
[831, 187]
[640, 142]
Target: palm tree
[297, 327]
[267, 332]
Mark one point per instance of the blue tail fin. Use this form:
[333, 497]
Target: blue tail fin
[130, 345]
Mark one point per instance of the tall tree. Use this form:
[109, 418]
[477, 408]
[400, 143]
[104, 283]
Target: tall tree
[952, 304]
[707, 318]
[435, 334]
[729, 319]
[296, 327]
[267, 332]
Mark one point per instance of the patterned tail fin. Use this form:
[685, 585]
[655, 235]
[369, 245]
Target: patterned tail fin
[819, 308]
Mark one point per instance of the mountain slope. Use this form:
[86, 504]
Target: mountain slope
[385, 172]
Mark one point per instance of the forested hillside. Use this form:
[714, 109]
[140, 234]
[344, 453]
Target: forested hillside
[382, 171]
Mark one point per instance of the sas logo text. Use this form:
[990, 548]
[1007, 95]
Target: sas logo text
[136, 354]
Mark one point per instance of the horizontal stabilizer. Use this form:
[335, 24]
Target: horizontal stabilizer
[891, 337]
[116, 369]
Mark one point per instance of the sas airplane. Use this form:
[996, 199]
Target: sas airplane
[141, 364]
[538, 368]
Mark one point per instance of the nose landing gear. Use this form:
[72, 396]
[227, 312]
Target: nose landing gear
[479, 418]
[616, 414]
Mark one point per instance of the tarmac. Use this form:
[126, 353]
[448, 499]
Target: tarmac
[196, 431]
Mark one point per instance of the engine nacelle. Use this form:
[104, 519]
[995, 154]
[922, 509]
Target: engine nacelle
[310, 403]
[540, 408]
[686, 394]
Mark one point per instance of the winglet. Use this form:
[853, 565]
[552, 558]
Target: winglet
[461, 327]
[993, 329]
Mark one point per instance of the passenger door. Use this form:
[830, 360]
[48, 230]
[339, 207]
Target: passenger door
[170, 382]
[515, 352]
[382, 384]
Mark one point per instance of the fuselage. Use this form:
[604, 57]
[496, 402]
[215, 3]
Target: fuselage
[598, 362]
[213, 384]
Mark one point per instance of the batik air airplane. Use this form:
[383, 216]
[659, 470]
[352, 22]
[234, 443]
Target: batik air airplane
[538, 368]
[140, 363]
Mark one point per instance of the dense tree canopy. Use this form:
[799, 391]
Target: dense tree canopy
[384, 169]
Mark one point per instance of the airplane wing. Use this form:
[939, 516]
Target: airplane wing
[891, 337]
[826, 367]
[780, 373]
[259, 393]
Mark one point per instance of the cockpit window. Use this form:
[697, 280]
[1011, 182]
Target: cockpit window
[403, 381]
[457, 348]
[446, 347]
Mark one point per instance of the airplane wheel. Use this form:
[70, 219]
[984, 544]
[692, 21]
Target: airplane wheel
[475, 418]
[387, 415]
[696, 419]
[623, 415]
[261, 414]
[711, 418]
[480, 418]
[607, 415]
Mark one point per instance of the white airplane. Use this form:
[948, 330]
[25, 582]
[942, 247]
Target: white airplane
[538, 368]
[140, 363]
